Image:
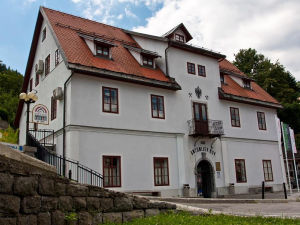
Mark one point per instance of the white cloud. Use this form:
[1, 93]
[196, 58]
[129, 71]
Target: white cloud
[270, 26]
[128, 13]
[120, 16]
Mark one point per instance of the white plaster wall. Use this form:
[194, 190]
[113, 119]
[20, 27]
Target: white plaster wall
[47, 84]
[136, 150]
[253, 152]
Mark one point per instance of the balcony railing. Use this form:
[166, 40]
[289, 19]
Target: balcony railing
[212, 128]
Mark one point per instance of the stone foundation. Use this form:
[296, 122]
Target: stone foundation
[31, 194]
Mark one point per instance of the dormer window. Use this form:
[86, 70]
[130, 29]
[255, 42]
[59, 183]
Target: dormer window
[222, 79]
[148, 61]
[247, 84]
[179, 38]
[102, 50]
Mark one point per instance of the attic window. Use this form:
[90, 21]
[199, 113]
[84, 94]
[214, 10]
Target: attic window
[148, 61]
[247, 84]
[44, 34]
[102, 50]
[179, 38]
[222, 79]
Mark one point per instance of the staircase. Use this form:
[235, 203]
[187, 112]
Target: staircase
[43, 140]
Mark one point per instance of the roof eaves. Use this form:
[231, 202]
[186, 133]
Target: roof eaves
[235, 98]
[172, 85]
[199, 50]
[140, 50]
[146, 35]
[232, 73]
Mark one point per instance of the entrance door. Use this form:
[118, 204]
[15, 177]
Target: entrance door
[205, 179]
[200, 117]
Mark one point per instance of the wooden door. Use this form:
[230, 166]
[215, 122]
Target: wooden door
[200, 118]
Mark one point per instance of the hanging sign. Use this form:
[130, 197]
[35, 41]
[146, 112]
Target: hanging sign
[40, 114]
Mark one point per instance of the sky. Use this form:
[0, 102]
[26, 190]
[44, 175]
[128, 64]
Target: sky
[272, 27]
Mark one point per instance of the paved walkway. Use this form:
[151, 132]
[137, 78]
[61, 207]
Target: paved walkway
[290, 209]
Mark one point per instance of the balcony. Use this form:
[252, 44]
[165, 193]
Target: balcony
[210, 128]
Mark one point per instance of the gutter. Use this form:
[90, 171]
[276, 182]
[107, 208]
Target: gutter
[64, 122]
[166, 59]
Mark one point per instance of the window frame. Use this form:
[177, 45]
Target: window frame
[111, 177]
[37, 79]
[103, 95]
[180, 38]
[199, 69]
[236, 175]
[57, 57]
[264, 125]
[245, 84]
[270, 161]
[238, 114]
[30, 84]
[154, 174]
[53, 109]
[191, 64]
[148, 59]
[44, 34]
[163, 103]
[47, 65]
[102, 46]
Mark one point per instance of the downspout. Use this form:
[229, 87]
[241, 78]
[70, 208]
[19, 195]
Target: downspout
[64, 123]
[166, 59]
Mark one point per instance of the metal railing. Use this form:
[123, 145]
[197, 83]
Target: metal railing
[43, 136]
[64, 166]
[209, 128]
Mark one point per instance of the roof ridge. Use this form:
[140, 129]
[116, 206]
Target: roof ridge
[93, 21]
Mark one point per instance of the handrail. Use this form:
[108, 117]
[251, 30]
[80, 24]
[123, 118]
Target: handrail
[215, 127]
[76, 171]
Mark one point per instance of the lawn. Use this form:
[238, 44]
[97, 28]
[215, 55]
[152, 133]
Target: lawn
[184, 218]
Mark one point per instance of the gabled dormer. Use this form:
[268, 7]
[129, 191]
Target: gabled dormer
[145, 57]
[179, 33]
[99, 47]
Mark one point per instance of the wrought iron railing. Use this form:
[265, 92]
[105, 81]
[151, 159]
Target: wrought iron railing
[44, 136]
[66, 167]
[208, 128]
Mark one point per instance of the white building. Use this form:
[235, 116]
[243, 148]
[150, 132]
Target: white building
[152, 113]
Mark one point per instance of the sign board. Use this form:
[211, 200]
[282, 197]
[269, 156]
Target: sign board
[202, 147]
[13, 146]
[218, 166]
[40, 114]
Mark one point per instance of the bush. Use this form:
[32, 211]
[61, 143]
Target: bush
[10, 135]
[3, 114]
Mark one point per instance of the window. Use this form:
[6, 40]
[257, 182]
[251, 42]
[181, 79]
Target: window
[240, 170]
[37, 79]
[111, 171]
[191, 68]
[30, 85]
[247, 84]
[222, 78]
[157, 107]
[201, 71]
[161, 171]
[47, 65]
[44, 34]
[235, 117]
[267, 166]
[147, 61]
[110, 100]
[261, 121]
[57, 57]
[53, 108]
[179, 37]
[102, 50]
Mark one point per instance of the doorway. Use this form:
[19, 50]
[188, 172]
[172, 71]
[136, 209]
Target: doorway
[205, 179]
[200, 117]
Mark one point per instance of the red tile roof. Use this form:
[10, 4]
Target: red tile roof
[231, 87]
[67, 27]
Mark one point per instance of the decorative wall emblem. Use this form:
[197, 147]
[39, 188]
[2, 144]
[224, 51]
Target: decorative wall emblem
[190, 94]
[40, 114]
[198, 92]
[206, 97]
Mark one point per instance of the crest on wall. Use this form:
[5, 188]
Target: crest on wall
[198, 92]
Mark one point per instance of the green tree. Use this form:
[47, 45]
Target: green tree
[10, 87]
[277, 81]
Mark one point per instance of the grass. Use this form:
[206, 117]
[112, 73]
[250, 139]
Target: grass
[185, 218]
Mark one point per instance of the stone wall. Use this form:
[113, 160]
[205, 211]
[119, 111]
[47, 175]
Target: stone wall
[32, 194]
